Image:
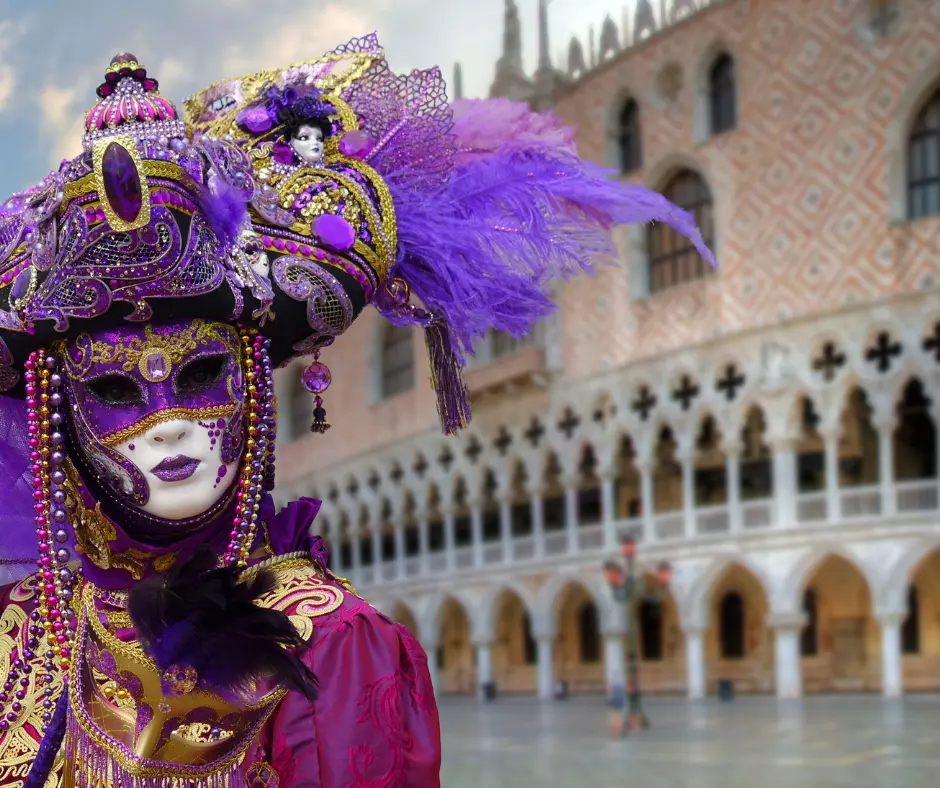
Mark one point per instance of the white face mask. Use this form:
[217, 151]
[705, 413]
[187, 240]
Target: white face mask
[307, 142]
[181, 462]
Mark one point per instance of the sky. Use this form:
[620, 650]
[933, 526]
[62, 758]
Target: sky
[53, 52]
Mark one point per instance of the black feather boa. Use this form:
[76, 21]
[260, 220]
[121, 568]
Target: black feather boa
[205, 618]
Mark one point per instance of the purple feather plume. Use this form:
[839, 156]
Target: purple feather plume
[483, 250]
[49, 746]
[226, 208]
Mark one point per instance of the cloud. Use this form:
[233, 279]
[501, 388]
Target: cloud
[10, 33]
[61, 123]
[303, 35]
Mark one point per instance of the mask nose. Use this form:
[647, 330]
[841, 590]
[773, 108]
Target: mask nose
[170, 433]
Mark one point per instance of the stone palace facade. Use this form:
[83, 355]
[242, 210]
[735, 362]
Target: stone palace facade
[769, 428]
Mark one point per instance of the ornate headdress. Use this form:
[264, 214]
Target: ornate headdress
[282, 203]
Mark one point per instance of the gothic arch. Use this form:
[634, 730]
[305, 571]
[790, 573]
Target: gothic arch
[429, 616]
[551, 594]
[483, 618]
[701, 84]
[917, 93]
[694, 604]
[791, 596]
[892, 593]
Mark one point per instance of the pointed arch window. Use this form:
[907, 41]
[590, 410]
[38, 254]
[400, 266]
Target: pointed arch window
[722, 95]
[731, 626]
[629, 141]
[809, 637]
[673, 260]
[923, 161]
[589, 633]
[651, 631]
[398, 361]
[910, 630]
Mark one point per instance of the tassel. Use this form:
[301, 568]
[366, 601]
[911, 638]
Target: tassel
[453, 397]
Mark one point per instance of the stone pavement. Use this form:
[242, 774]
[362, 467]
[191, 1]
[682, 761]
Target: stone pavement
[821, 742]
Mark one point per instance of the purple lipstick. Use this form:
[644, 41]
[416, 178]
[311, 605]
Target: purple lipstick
[175, 469]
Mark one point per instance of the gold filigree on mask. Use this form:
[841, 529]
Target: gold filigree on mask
[170, 414]
[152, 355]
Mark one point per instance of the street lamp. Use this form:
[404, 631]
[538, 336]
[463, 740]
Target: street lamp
[626, 588]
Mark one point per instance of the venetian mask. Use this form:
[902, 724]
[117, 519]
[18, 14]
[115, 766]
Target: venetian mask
[307, 143]
[157, 412]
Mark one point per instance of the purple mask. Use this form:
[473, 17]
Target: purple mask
[157, 412]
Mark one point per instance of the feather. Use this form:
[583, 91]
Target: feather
[483, 250]
[207, 618]
[49, 746]
[226, 208]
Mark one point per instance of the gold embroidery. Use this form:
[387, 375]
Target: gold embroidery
[162, 416]
[88, 184]
[20, 743]
[300, 593]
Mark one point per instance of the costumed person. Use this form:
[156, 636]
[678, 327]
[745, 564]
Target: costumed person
[162, 625]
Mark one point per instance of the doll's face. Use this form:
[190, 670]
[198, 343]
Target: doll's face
[157, 411]
[307, 142]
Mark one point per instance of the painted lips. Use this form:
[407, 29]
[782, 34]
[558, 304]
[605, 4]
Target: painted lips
[175, 469]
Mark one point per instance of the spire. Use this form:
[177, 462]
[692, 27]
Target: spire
[545, 58]
[458, 81]
[511, 59]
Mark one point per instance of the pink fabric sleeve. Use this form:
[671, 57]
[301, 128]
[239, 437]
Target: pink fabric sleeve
[375, 723]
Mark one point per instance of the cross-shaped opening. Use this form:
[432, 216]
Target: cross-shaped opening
[932, 342]
[503, 441]
[474, 449]
[569, 423]
[881, 353]
[730, 382]
[829, 362]
[446, 458]
[644, 403]
[534, 432]
[420, 466]
[686, 392]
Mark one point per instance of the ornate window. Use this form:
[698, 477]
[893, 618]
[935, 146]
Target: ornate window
[731, 626]
[722, 95]
[398, 361]
[629, 144]
[923, 162]
[673, 260]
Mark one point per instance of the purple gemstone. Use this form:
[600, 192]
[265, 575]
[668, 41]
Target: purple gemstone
[356, 143]
[255, 120]
[333, 232]
[121, 182]
[21, 285]
[156, 366]
[316, 378]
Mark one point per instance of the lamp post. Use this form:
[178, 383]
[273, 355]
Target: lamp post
[626, 588]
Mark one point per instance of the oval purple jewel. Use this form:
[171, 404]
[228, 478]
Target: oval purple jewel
[356, 143]
[21, 285]
[121, 180]
[333, 232]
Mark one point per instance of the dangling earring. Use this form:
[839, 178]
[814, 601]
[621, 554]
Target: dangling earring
[316, 379]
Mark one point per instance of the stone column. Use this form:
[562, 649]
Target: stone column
[695, 662]
[571, 513]
[788, 666]
[476, 531]
[608, 508]
[545, 666]
[505, 528]
[784, 483]
[614, 663]
[891, 675]
[833, 499]
[537, 513]
[377, 552]
[889, 504]
[430, 648]
[687, 460]
[424, 547]
[355, 548]
[733, 483]
[400, 550]
[647, 499]
[450, 555]
[484, 664]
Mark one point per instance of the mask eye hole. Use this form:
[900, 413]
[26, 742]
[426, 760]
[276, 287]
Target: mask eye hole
[115, 390]
[201, 374]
